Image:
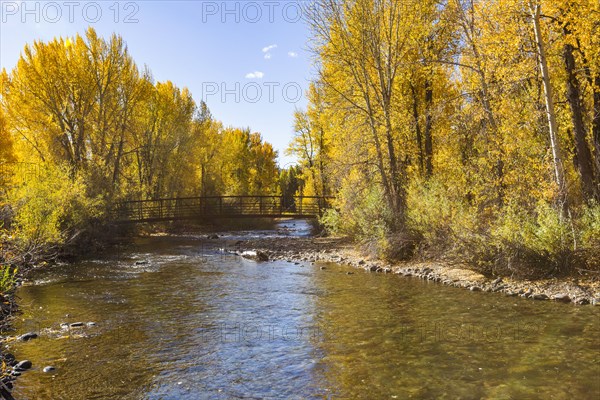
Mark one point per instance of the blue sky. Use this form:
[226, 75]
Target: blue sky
[247, 59]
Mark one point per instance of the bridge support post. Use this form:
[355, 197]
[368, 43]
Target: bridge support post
[281, 201]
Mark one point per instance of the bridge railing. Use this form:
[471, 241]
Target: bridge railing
[219, 206]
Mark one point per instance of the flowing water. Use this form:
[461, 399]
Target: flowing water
[188, 322]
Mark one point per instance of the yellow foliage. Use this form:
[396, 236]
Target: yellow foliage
[440, 108]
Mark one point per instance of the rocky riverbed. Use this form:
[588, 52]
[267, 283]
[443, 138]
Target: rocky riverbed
[13, 368]
[576, 290]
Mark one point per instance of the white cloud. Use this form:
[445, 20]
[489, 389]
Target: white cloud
[255, 75]
[292, 54]
[268, 56]
[269, 48]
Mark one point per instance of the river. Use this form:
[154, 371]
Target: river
[176, 319]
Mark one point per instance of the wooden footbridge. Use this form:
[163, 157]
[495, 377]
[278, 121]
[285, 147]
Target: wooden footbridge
[207, 207]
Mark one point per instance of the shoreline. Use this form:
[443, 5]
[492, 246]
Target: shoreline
[575, 290]
[9, 308]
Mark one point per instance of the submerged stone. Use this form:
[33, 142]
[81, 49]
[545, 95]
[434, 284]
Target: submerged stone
[28, 336]
[23, 365]
[563, 297]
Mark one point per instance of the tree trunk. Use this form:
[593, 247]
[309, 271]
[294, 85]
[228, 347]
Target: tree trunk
[596, 132]
[395, 176]
[418, 128]
[321, 161]
[583, 155]
[554, 145]
[428, 126]
[117, 168]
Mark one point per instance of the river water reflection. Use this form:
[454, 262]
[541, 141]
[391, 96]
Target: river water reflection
[175, 320]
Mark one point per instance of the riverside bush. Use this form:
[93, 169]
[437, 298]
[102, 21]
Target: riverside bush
[437, 216]
[361, 214]
[537, 243]
[589, 226]
[48, 209]
[532, 242]
[7, 278]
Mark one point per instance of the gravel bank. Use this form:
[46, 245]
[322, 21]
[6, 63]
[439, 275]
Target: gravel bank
[575, 290]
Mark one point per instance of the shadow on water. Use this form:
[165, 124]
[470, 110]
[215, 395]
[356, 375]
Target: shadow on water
[175, 321]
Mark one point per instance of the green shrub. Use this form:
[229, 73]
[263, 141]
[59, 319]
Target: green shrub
[589, 226]
[443, 221]
[529, 242]
[49, 208]
[7, 278]
[538, 243]
[331, 221]
[362, 214]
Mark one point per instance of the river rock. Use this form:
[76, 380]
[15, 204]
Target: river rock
[90, 324]
[322, 268]
[23, 365]
[255, 255]
[49, 368]
[562, 297]
[540, 296]
[9, 358]
[475, 289]
[28, 336]
[496, 281]
[141, 262]
[212, 237]
[527, 293]
[76, 324]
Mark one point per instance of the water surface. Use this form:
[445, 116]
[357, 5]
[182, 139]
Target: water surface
[193, 323]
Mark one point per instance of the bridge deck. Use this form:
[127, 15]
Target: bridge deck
[172, 209]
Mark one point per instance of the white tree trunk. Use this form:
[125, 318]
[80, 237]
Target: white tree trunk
[550, 113]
